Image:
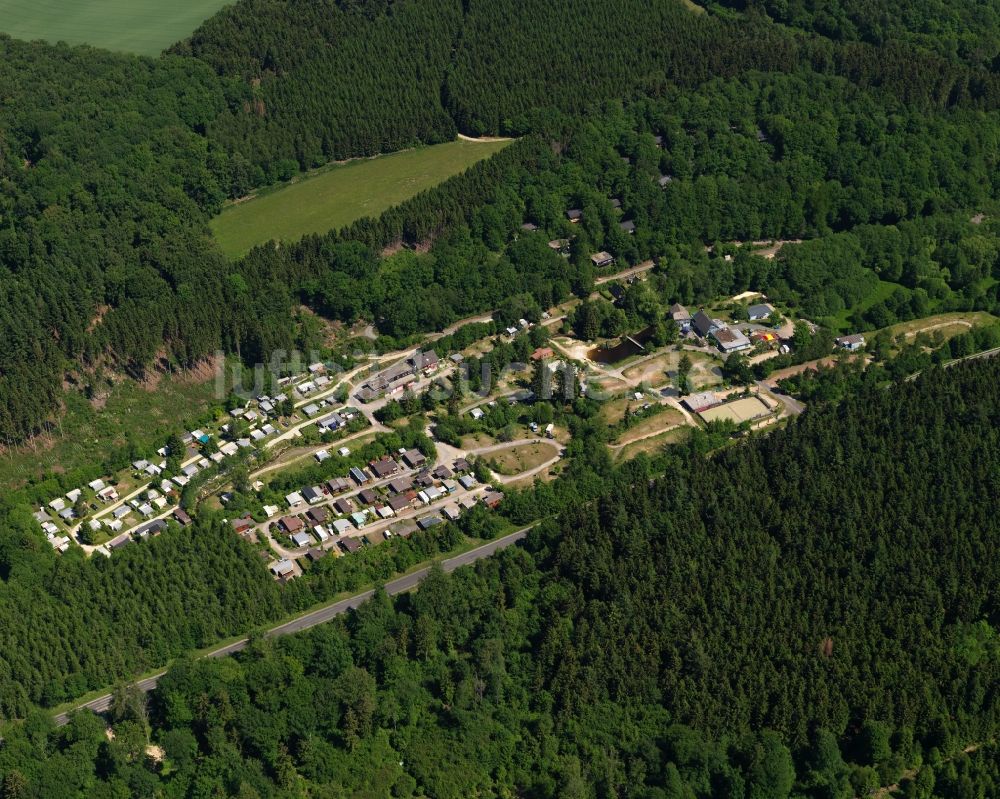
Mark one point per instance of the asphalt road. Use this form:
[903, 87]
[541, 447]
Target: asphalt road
[398, 586]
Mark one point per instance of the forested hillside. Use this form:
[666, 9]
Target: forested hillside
[807, 614]
[112, 165]
[322, 81]
[70, 625]
[967, 29]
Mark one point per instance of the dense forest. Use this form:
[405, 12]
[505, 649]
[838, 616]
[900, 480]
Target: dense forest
[111, 165]
[809, 614]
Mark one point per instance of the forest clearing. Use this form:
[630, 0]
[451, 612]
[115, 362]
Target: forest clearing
[143, 27]
[334, 196]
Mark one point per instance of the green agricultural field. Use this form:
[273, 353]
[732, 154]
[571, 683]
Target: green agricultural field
[145, 27]
[335, 196]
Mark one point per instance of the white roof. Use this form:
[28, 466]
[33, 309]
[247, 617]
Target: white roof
[96, 485]
[73, 495]
[229, 449]
[271, 510]
[342, 525]
[295, 498]
[57, 504]
[321, 533]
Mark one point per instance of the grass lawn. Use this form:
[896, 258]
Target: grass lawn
[654, 424]
[520, 457]
[653, 444]
[144, 27]
[334, 196]
[947, 325]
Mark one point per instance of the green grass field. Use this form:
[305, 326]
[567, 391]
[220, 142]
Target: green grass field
[335, 196]
[144, 27]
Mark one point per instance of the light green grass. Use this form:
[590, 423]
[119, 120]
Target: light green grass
[144, 27]
[335, 196]
[883, 292]
[87, 434]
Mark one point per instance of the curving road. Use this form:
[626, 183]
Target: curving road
[398, 586]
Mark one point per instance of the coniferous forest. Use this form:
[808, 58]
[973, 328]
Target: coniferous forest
[111, 165]
[810, 613]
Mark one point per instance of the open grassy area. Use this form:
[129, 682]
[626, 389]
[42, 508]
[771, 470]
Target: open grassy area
[144, 27]
[652, 444]
[945, 325]
[657, 423]
[88, 433]
[705, 369]
[335, 196]
[520, 457]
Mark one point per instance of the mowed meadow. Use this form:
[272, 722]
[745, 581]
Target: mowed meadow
[335, 196]
[143, 27]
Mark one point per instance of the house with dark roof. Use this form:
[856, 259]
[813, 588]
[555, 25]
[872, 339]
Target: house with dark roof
[461, 465]
[384, 467]
[350, 544]
[337, 485]
[414, 458]
[442, 472]
[399, 502]
[358, 475]
[400, 485]
[574, 215]
[312, 495]
[492, 499]
[317, 515]
[703, 324]
[344, 505]
[367, 496]
[627, 226]
[600, 259]
[291, 524]
[757, 312]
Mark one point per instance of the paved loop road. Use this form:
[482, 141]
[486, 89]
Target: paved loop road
[398, 586]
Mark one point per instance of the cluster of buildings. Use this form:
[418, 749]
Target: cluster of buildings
[388, 487]
[728, 338]
[396, 378]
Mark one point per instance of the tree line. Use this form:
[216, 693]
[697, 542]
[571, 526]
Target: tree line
[807, 614]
